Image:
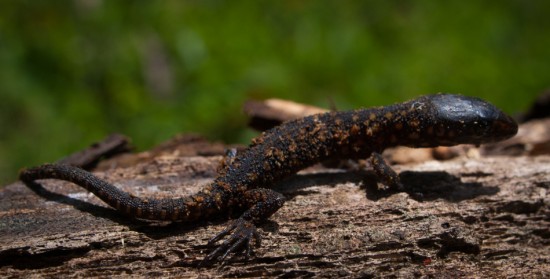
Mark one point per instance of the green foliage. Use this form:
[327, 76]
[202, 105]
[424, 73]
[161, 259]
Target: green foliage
[74, 71]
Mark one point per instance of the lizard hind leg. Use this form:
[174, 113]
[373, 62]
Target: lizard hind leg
[227, 160]
[261, 203]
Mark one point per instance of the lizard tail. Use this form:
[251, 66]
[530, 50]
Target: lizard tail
[189, 208]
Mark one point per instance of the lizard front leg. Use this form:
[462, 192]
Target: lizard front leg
[385, 174]
[261, 204]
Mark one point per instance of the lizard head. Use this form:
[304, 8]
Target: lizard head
[467, 120]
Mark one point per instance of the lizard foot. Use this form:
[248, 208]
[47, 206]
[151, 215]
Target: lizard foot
[242, 232]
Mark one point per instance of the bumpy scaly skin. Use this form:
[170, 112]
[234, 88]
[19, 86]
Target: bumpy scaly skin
[434, 120]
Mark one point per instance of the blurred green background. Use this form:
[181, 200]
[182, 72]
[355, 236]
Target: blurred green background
[72, 72]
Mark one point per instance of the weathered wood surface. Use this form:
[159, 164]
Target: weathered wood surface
[467, 217]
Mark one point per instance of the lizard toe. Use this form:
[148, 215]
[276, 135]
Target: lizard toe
[242, 232]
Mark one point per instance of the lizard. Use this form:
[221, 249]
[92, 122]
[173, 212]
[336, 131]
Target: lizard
[244, 179]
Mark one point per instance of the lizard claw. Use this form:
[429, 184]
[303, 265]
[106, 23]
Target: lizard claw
[242, 232]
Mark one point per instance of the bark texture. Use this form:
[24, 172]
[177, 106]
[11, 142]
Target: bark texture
[472, 216]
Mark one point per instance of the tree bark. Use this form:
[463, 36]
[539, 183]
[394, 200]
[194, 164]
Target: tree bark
[472, 216]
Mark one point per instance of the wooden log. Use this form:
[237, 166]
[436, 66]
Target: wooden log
[477, 216]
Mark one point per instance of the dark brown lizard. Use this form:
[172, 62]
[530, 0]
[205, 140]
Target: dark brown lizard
[243, 181]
